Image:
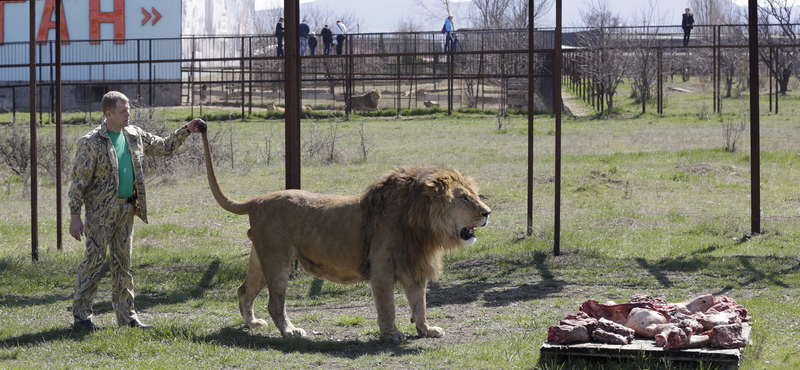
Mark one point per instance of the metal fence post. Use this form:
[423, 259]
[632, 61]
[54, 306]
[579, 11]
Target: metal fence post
[34, 178]
[755, 147]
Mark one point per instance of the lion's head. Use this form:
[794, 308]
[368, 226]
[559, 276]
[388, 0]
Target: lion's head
[374, 96]
[432, 208]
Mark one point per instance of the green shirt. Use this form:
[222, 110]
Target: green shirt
[124, 163]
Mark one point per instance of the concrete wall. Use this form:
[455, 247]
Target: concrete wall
[83, 97]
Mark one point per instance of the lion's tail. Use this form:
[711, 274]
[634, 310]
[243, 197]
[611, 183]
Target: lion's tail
[230, 205]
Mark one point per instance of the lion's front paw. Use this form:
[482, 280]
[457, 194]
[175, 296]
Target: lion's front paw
[295, 333]
[432, 332]
[395, 336]
[254, 323]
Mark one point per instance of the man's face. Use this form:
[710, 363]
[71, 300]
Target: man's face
[119, 118]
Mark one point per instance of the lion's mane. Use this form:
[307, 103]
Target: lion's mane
[412, 203]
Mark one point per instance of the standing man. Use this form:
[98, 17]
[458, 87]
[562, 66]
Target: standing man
[687, 23]
[448, 30]
[327, 39]
[340, 30]
[108, 179]
[279, 34]
[303, 31]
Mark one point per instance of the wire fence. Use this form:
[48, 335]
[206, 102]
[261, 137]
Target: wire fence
[485, 69]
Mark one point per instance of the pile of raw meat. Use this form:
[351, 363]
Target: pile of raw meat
[704, 321]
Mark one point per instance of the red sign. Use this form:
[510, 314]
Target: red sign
[46, 24]
[117, 17]
[147, 16]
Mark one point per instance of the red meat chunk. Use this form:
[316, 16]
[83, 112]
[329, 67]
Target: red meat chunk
[727, 336]
[610, 332]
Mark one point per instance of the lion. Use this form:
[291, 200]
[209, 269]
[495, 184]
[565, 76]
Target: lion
[394, 231]
[272, 107]
[367, 101]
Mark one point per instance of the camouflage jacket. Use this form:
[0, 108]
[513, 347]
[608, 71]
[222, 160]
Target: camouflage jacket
[95, 175]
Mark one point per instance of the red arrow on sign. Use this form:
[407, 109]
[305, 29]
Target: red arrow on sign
[157, 14]
[147, 16]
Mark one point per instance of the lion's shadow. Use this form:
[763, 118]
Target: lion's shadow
[501, 291]
[352, 349]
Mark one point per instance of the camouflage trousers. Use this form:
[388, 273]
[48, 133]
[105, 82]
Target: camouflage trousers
[117, 237]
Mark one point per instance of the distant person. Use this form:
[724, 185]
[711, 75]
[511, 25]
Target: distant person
[279, 34]
[687, 24]
[327, 39]
[303, 32]
[448, 31]
[312, 43]
[339, 30]
[108, 182]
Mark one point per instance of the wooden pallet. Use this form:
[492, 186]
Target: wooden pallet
[640, 348]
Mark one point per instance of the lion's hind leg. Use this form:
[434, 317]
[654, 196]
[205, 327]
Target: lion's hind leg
[277, 281]
[277, 269]
[253, 284]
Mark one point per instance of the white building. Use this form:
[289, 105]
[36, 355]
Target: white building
[132, 46]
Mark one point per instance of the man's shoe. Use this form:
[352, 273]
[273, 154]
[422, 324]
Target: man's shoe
[85, 325]
[135, 323]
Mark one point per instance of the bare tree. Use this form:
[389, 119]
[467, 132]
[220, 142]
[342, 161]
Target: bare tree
[435, 9]
[407, 23]
[504, 14]
[607, 63]
[734, 61]
[709, 12]
[783, 63]
[644, 54]
[264, 21]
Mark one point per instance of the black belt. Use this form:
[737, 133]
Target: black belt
[125, 200]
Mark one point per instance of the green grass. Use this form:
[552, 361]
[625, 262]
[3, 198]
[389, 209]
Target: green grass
[650, 204]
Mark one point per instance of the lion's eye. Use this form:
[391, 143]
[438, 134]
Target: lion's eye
[465, 198]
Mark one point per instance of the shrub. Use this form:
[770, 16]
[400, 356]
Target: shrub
[379, 113]
[491, 112]
[420, 111]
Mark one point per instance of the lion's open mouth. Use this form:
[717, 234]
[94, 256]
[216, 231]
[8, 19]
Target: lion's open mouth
[467, 233]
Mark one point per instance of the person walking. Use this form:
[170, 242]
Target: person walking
[312, 43]
[108, 182]
[279, 35]
[303, 32]
[687, 23]
[340, 30]
[327, 39]
[448, 30]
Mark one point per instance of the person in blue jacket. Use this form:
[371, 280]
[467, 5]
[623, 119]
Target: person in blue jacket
[312, 43]
[279, 34]
[448, 30]
[303, 31]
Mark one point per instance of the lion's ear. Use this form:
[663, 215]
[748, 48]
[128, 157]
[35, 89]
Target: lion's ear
[436, 186]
